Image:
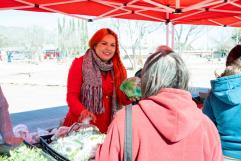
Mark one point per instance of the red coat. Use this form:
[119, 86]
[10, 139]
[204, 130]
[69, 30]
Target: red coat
[73, 96]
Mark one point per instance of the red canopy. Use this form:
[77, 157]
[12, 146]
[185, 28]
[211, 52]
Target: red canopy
[199, 12]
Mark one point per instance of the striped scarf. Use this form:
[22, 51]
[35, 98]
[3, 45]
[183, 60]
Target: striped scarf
[91, 89]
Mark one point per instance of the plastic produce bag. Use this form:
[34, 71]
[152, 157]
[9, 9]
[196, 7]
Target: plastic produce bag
[80, 143]
[21, 131]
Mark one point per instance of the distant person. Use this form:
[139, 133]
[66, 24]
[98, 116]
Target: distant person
[223, 106]
[9, 56]
[93, 87]
[1, 59]
[6, 129]
[166, 123]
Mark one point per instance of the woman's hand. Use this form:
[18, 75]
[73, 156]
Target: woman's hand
[134, 99]
[12, 140]
[85, 114]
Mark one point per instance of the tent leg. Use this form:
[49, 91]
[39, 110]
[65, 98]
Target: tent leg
[173, 36]
[167, 34]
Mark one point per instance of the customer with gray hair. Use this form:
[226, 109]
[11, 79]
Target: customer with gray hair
[166, 123]
[159, 73]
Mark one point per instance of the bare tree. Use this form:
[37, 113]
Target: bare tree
[185, 35]
[134, 39]
[222, 44]
[72, 36]
[34, 42]
[3, 41]
[236, 36]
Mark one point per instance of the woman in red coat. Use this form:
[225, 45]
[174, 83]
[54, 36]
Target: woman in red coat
[94, 80]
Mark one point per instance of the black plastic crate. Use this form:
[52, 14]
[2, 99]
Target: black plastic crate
[29, 145]
[45, 141]
[36, 145]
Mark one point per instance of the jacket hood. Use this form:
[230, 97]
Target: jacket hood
[173, 113]
[228, 89]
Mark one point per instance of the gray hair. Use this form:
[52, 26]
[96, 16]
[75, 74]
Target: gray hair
[163, 69]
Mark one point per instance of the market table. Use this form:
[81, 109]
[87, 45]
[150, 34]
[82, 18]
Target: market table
[44, 118]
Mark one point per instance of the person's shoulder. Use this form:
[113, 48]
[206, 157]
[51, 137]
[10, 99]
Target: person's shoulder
[78, 60]
[209, 127]
[120, 115]
[207, 121]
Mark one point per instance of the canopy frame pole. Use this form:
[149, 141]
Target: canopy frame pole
[224, 11]
[239, 18]
[235, 4]
[113, 16]
[51, 10]
[177, 4]
[168, 9]
[64, 2]
[167, 34]
[116, 7]
[19, 7]
[199, 5]
[200, 9]
[173, 36]
[52, 4]
[167, 28]
[187, 15]
[107, 3]
[148, 16]
[215, 22]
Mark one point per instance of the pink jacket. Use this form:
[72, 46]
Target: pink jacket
[166, 127]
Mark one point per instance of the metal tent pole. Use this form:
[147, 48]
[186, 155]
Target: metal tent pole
[167, 34]
[173, 36]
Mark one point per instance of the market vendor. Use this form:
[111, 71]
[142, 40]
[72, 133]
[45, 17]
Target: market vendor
[94, 80]
[6, 129]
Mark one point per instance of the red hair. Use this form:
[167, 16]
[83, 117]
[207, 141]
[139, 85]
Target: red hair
[119, 69]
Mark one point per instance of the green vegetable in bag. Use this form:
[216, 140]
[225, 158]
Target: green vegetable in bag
[23, 153]
[131, 87]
